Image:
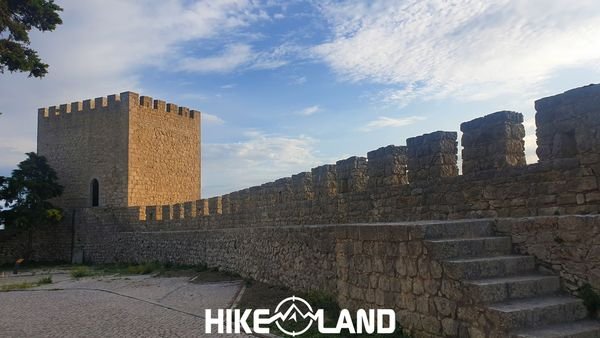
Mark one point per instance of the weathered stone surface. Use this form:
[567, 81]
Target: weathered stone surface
[386, 167]
[140, 153]
[432, 156]
[351, 175]
[493, 142]
[566, 125]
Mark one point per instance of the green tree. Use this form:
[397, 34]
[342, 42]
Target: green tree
[17, 18]
[24, 197]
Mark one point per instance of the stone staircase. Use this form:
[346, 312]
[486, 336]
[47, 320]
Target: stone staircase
[516, 299]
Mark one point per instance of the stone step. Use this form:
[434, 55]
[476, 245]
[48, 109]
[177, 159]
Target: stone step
[536, 312]
[498, 289]
[579, 329]
[459, 229]
[469, 247]
[487, 267]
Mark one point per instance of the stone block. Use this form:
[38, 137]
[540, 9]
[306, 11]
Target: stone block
[351, 175]
[493, 142]
[567, 124]
[432, 156]
[387, 167]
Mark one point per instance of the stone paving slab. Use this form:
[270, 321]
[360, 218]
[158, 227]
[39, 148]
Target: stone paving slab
[132, 306]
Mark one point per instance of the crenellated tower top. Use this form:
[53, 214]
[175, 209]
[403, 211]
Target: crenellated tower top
[117, 102]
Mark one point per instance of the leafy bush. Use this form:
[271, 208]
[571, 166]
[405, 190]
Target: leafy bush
[591, 299]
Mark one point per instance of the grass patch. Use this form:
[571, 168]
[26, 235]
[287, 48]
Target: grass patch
[17, 286]
[264, 296]
[25, 285]
[144, 269]
[81, 271]
[159, 269]
[45, 280]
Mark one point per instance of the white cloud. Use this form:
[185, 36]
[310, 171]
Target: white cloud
[211, 119]
[104, 44]
[275, 57]
[387, 122]
[232, 57]
[238, 56]
[472, 49]
[258, 158]
[298, 80]
[309, 110]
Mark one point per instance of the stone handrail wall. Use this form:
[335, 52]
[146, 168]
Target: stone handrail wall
[567, 245]
[364, 265]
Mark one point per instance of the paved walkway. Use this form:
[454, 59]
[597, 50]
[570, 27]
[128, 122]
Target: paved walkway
[133, 306]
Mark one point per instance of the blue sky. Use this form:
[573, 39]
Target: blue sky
[286, 86]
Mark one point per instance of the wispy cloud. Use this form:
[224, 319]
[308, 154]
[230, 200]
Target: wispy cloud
[471, 49]
[309, 110]
[94, 54]
[210, 118]
[390, 122]
[238, 56]
[231, 58]
[257, 157]
[298, 80]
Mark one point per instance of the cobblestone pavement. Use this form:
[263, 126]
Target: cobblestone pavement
[133, 306]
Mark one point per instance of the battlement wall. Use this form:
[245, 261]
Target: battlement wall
[420, 181]
[116, 102]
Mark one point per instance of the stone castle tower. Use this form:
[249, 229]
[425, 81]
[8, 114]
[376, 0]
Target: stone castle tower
[122, 150]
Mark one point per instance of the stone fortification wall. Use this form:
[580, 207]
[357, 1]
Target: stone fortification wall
[265, 232]
[567, 245]
[50, 244]
[403, 266]
[164, 153]
[141, 151]
[84, 141]
[420, 181]
[494, 142]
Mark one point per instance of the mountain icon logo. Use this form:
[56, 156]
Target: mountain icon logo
[291, 311]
